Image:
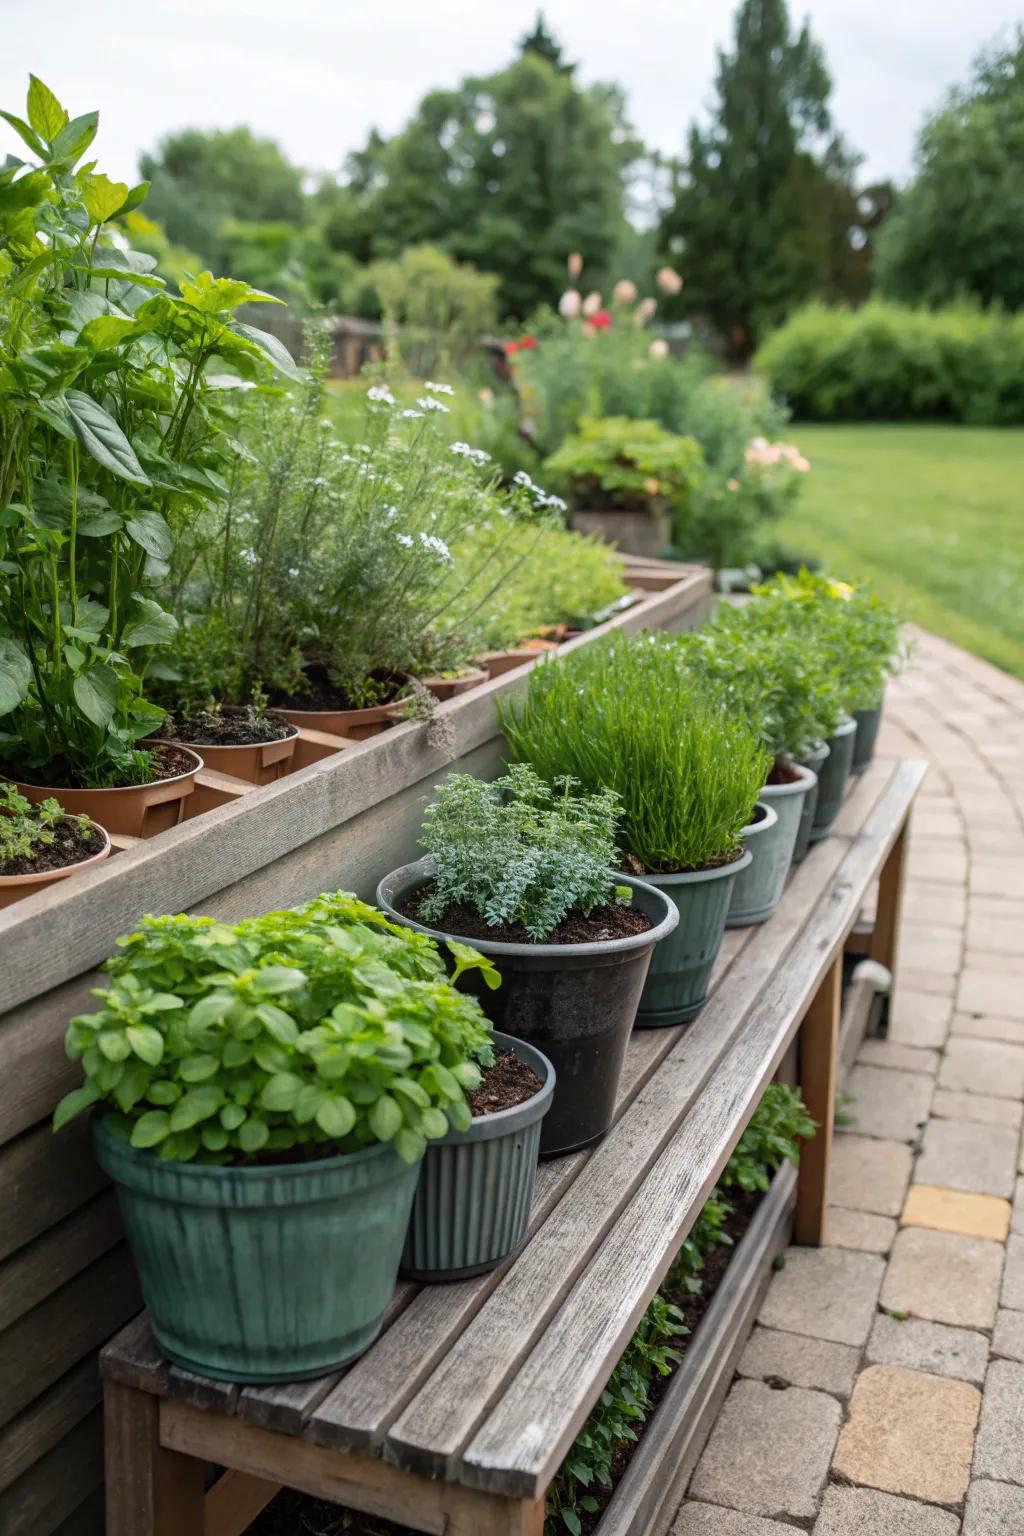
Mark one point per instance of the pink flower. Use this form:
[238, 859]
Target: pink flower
[668, 280]
[575, 265]
[601, 320]
[592, 303]
[624, 292]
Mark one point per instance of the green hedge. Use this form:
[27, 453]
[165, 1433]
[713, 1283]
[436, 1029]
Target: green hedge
[884, 362]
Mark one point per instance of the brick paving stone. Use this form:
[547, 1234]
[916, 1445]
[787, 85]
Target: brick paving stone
[937, 983]
[950, 1210]
[919, 1018]
[909, 1433]
[998, 877]
[934, 859]
[980, 1108]
[996, 992]
[866, 1512]
[769, 1452]
[927, 903]
[859, 1229]
[991, 930]
[956, 1156]
[930, 947]
[943, 1277]
[999, 1449]
[984, 1066]
[869, 1175]
[800, 1362]
[994, 960]
[1008, 1337]
[713, 1520]
[891, 1106]
[993, 1509]
[984, 1027]
[1017, 1214]
[1012, 1294]
[827, 1293]
[932, 1347]
[898, 1057]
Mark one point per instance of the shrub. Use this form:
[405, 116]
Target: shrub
[618, 463]
[324, 1028]
[890, 363]
[519, 851]
[624, 714]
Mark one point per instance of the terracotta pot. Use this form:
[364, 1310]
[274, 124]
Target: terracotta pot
[14, 887]
[136, 810]
[500, 662]
[259, 763]
[635, 533]
[357, 724]
[447, 687]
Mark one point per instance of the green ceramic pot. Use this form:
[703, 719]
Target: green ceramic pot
[832, 777]
[815, 761]
[866, 739]
[677, 982]
[472, 1204]
[769, 840]
[263, 1274]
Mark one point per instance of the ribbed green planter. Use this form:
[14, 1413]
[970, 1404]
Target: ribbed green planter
[263, 1274]
[815, 761]
[472, 1204]
[866, 739]
[677, 982]
[756, 892]
[832, 777]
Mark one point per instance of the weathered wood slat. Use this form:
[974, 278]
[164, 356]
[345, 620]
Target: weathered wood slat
[53, 1490]
[50, 1416]
[234, 1501]
[86, 1520]
[520, 1445]
[57, 1256]
[37, 1072]
[42, 1178]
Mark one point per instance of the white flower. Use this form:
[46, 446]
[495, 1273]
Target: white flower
[429, 404]
[439, 389]
[569, 304]
[522, 478]
[412, 415]
[294, 571]
[592, 303]
[658, 348]
[381, 394]
[477, 455]
[249, 556]
[405, 539]
[438, 546]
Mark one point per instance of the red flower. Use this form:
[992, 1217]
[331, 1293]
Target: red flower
[510, 347]
[527, 343]
[601, 321]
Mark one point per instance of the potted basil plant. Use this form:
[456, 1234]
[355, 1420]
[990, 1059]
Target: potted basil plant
[268, 1090]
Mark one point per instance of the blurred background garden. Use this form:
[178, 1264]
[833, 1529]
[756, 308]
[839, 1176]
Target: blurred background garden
[771, 352]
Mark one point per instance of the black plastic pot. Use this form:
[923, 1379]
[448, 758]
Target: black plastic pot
[832, 777]
[574, 1002]
[472, 1204]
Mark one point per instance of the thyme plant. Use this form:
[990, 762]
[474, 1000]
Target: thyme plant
[27, 829]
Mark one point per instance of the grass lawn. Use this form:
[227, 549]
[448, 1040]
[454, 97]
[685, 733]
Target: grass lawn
[932, 515]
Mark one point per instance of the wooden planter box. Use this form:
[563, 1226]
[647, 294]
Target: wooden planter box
[66, 1283]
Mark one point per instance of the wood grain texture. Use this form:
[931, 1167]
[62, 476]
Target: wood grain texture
[885, 934]
[37, 1072]
[50, 1416]
[53, 1490]
[57, 1256]
[151, 1491]
[234, 1501]
[819, 1051]
[42, 1179]
[88, 1519]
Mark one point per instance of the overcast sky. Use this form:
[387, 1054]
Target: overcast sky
[318, 74]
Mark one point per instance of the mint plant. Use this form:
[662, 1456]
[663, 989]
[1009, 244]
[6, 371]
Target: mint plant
[115, 425]
[519, 851]
[319, 1029]
[622, 464]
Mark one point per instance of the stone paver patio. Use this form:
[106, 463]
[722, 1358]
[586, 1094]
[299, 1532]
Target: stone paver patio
[882, 1392]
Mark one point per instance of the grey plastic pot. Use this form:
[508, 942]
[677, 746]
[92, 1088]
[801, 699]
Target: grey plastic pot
[677, 982]
[756, 892]
[574, 1002]
[472, 1204]
[866, 739]
[263, 1274]
[814, 761]
[832, 777]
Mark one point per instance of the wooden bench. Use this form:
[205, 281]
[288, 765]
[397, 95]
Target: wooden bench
[458, 1417]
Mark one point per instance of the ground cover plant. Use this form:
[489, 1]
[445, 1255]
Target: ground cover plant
[615, 463]
[302, 1033]
[624, 714]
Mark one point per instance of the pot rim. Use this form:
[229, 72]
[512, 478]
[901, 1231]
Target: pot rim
[235, 746]
[695, 876]
[765, 824]
[845, 726]
[506, 1121]
[124, 789]
[807, 780]
[419, 870]
[45, 876]
[478, 674]
[818, 755]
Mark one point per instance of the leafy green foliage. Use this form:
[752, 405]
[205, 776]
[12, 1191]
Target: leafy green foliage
[623, 464]
[519, 851]
[323, 1027]
[113, 440]
[624, 714]
[773, 1136]
[434, 309]
[26, 829]
[887, 363]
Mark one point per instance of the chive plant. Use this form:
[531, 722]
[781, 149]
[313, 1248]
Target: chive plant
[626, 714]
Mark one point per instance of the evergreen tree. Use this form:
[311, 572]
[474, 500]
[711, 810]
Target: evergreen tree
[542, 43]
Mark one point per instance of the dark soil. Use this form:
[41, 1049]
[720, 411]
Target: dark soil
[233, 728]
[293, 1514]
[169, 760]
[634, 867]
[71, 844]
[320, 692]
[463, 921]
[782, 772]
[508, 1083]
[759, 815]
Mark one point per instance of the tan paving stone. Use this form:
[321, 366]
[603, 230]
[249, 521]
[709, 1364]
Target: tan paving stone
[924, 902]
[980, 1108]
[867, 1512]
[774, 1356]
[826, 1293]
[959, 1155]
[996, 960]
[1017, 1216]
[999, 1450]
[909, 1433]
[943, 1277]
[950, 1210]
[996, 931]
[918, 1018]
[860, 1230]
[984, 1066]
[891, 1106]
[993, 1509]
[996, 992]
[769, 1452]
[937, 983]
[1008, 1336]
[923, 1346]
[1012, 1294]
[869, 1175]
[990, 841]
[898, 1057]
[983, 1027]
[930, 947]
[713, 1520]
[998, 877]
[934, 859]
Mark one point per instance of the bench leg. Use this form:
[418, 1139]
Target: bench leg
[470, 1513]
[819, 1045]
[885, 936]
[150, 1491]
